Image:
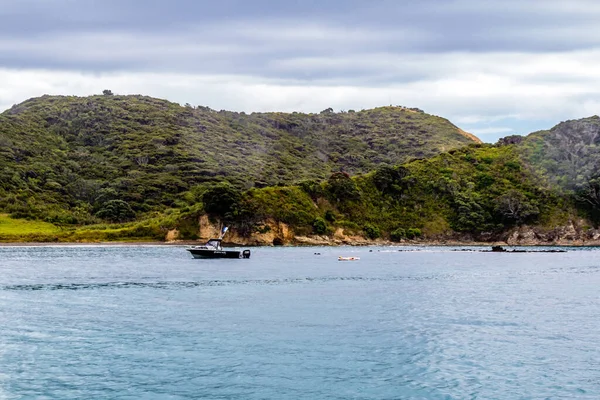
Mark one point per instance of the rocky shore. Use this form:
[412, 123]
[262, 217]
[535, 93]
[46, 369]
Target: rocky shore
[575, 233]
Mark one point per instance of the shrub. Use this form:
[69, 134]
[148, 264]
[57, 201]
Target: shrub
[263, 229]
[342, 188]
[188, 227]
[390, 179]
[221, 199]
[312, 188]
[320, 226]
[371, 231]
[398, 234]
[330, 216]
[296, 217]
[412, 233]
[349, 224]
[116, 211]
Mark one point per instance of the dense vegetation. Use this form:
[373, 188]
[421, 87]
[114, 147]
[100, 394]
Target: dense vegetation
[83, 160]
[480, 189]
[568, 155]
[568, 158]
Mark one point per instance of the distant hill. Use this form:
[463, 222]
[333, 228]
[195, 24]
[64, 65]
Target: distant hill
[81, 152]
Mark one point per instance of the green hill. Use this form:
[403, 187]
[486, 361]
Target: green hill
[478, 192]
[66, 158]
[567, 155]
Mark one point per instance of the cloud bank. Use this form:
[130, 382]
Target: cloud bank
[492, 67]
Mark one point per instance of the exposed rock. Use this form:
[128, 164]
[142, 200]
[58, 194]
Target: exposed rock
[313, 241]
[207, 228]
[172, 235]
[572, 234]
[276, 233]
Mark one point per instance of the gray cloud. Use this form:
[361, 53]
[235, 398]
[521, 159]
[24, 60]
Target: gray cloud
[499, 63]
[308, 27]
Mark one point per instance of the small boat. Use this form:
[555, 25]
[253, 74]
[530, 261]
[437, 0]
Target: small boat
[213, 249]
[340, 258]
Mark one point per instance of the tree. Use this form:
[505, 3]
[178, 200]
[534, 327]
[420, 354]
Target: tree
[398, 234]
[515, 207]
[330, 216]
[221, 200]
[588, 194]
[341, 187]
[389, 180]
[116, 211]
[413, 233]
[312, 188]
[320, 226]
[107, 92]
[470, 215]
[372, 231]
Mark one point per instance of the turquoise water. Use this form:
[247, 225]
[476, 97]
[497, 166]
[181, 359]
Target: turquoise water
[150, 322]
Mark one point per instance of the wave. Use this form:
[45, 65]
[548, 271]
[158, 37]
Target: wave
[208, 283]
[591, 269]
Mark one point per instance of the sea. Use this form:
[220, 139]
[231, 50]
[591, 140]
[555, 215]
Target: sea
[151, 322]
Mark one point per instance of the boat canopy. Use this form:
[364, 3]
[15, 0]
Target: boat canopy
[214, 243]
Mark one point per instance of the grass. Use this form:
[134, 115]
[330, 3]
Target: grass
[20, 230]
[20, 227]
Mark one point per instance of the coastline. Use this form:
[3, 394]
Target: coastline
[573, 234]
[422, 243]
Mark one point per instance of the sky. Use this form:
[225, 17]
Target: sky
[493, 68]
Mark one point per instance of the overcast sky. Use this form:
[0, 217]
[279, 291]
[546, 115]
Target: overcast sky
[494, 68]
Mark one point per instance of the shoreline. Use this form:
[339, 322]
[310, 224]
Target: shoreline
[75, 244]
[300, 244]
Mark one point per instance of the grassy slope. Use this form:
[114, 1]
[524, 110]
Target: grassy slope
[19, 230]
[20, 227]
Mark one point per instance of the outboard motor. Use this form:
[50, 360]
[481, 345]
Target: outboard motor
[246, 254]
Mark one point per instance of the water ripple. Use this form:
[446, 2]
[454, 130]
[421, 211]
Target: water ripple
[593, 269]
[209, 283]
[287, 324]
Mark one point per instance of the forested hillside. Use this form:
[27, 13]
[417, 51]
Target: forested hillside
[568, 158]
[80, 159]
[568, 155]
[482, 190]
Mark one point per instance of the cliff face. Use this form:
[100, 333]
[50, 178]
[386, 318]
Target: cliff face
[277, 233]
[573, 234]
